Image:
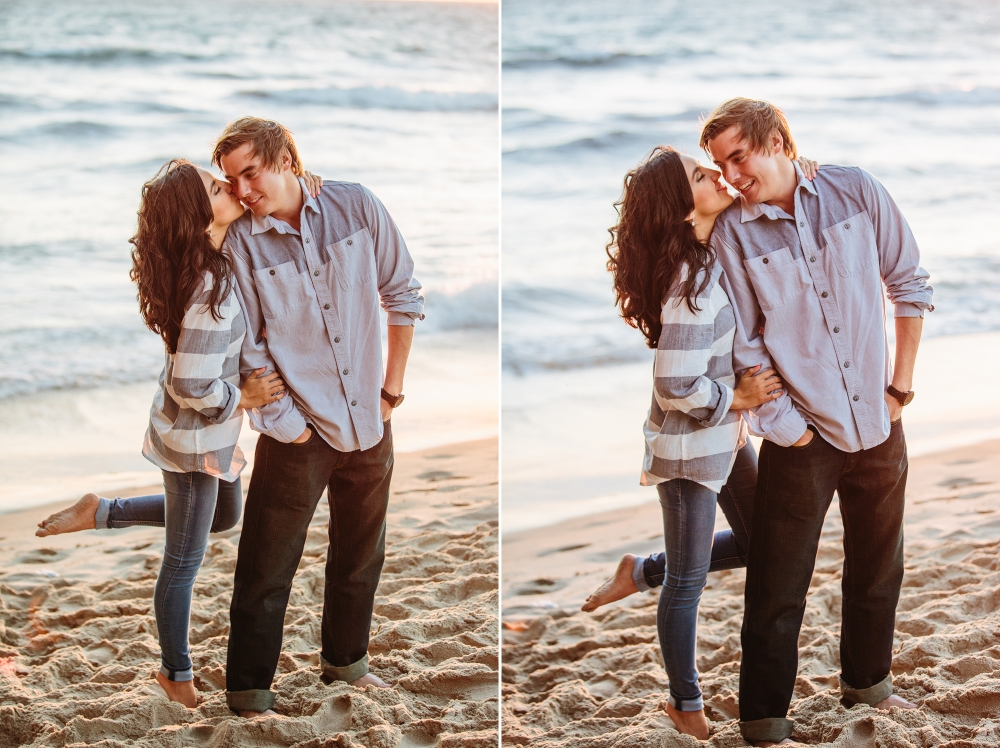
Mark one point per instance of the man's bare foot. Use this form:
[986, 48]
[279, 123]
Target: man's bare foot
[80, 516]
[894, 701]
[689, 723]
[369, 679]
[247, 714]
[618, 586]
[180, 691]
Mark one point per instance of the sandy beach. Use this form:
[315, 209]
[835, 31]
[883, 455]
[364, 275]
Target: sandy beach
[596, 679]
[78, 639]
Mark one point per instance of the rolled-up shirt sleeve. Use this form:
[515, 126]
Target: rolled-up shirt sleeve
[778, 421]
[399, 291]
[898, 255]
[280, 419]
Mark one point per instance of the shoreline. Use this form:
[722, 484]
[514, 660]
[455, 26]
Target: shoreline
[60, 444]
[558, 466]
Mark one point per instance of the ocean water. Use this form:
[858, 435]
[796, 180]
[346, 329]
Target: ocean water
[95, 96]
[908, 90]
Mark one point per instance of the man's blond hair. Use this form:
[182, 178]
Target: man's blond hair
[269, 141]
[757, 122]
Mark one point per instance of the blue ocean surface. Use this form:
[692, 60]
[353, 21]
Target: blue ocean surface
[95, 96]
[909, 91]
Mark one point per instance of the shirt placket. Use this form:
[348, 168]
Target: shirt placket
[334, 331]
[834, 322]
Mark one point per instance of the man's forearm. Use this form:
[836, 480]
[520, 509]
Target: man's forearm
[400, 340]
[908, 331]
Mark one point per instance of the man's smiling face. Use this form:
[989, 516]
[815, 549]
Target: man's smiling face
[259, 187]
[753, 173]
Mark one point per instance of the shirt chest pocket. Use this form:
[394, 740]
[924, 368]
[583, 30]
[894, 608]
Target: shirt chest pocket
[281, 289]
[353, 259]
[852, 244]
[777, 277]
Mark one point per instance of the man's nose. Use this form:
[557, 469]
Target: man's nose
[731, 173]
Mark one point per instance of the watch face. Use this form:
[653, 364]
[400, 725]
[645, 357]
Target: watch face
[908, 398]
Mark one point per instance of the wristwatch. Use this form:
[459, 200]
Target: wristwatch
[394, 400]
[905, 398]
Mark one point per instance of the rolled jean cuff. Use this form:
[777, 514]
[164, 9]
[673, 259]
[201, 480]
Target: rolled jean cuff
[348, 673]
[637, 574]
[686, 705]
[255, 700]
[177, 676]
[102, 514]
[871, 695]
[774, 729]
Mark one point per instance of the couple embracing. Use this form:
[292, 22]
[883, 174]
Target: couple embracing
[767, 316]
[265, 288]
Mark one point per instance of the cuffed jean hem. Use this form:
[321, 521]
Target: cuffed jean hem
[176, 676]
[638, 577]
[255, 700]
[686, 705]
[774, 729]
[871, 695]
[101, 516]
[347, 674]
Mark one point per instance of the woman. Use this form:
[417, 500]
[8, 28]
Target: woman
[667, 285]
[187, 296]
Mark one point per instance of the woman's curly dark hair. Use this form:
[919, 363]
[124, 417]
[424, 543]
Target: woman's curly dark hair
[654, 240]
[172, 250]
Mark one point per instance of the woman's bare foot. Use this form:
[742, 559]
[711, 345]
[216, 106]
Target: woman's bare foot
[80, 516]
[694, 724]
[180, 691]
[250, 715]
[894, 701]
[369, 679]
[618, 586]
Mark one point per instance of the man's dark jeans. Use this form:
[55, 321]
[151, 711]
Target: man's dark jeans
[287, 483]
[795, 486]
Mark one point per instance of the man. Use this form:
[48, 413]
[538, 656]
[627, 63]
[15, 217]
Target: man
[805, 267]
[310, 275]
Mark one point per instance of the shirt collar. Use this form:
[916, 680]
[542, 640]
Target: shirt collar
[752, 212]
[260, 224]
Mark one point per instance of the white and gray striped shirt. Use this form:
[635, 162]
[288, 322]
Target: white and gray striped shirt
[195, 420]
[690, 431]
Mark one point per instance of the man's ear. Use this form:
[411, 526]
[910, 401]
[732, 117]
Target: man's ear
[286, 160]
[777, 143]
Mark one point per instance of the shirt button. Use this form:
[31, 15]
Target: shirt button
[856, 398]
[345, 371]
[307, 241]
[350, 241]
[336, 340]
[836, 329]
[315, 272]
[355, 402]
[802, 224]
[766, 260]
[824, 294]
[326, 306]
[847, 226]
[272, 272]
[812, 259]
[847, 365]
